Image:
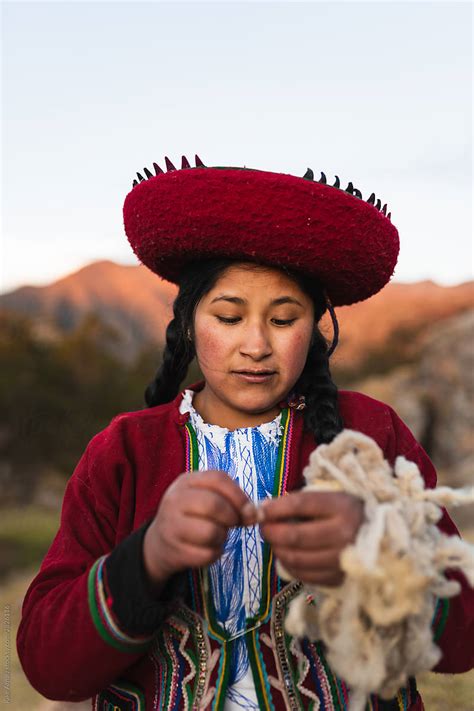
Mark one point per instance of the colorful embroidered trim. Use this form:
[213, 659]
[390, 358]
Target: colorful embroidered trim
[200, 588]
[334, 695]
[122, 696]
[181, 655]
[262, 687]
[440, 617]
[104, 620]
[404, 700]
[332, 692]
[329, 690]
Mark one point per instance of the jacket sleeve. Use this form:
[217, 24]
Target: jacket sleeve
[89, 614]
[453, 620]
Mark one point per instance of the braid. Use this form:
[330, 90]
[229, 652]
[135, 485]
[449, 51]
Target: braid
[321, 414]
[177, 356]
[196, 281]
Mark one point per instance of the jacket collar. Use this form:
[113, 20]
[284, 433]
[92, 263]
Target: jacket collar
[302, 441]
[182, 417]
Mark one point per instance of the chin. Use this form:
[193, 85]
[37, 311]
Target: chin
[254, 403]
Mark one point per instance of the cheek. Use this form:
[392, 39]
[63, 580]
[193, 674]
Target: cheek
[294, 351]
[211, 345]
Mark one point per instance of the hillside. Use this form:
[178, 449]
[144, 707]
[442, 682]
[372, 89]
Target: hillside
[138, 304]
[131, 299]
[398, 313]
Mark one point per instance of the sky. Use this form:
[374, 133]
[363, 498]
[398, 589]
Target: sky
[378, 93]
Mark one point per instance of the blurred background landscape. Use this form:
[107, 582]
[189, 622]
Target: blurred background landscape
[78, 351]
[92, 92]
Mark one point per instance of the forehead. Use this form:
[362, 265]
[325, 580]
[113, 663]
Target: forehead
[255, 276]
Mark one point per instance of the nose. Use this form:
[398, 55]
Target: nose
[256, 342]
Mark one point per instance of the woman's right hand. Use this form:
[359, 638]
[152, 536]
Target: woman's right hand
[191, 523]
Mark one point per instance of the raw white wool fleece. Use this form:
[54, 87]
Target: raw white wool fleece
[377, 625]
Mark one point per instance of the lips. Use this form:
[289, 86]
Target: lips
[254, 376]
[255, 372]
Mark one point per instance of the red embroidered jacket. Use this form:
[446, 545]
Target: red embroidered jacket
[91, 627]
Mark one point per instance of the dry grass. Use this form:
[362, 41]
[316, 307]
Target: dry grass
[21, 694]
[447, 691]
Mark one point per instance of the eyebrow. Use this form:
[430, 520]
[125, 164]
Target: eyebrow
[275, 302]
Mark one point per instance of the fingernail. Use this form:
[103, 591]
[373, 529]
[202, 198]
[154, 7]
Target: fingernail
[260, 514]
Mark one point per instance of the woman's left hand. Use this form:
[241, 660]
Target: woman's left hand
[308, 530]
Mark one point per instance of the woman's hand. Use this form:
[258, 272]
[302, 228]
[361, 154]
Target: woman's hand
[309, 530]
[191, 523]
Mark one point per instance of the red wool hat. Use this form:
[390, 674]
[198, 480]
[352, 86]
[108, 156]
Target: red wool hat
[182, 215]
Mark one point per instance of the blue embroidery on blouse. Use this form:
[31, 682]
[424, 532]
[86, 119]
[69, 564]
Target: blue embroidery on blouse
[249, 456]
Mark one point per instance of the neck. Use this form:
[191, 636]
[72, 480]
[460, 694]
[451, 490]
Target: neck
[215, 412]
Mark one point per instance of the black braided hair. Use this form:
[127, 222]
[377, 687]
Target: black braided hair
[177, 355]
[179, 351]
[321, 414]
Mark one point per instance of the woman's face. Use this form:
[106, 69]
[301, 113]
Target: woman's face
[254, 319]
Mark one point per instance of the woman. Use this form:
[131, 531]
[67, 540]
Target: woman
[160, 589]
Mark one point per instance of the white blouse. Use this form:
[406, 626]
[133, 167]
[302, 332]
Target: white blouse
[249, 455]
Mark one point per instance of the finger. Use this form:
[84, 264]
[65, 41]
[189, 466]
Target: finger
[325, 579]
[249, 514]
[306, 535]
[210, 505]
[202, 532]
[221, 483]
[302, 504]
[179, 555]
[316, 576]
[191, 556]
[308, 561]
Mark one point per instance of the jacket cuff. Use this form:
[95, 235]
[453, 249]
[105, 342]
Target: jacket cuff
[125, 611]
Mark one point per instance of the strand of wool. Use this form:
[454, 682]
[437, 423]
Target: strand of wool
[376, 625]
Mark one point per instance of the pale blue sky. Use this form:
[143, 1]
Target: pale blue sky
[379, 93]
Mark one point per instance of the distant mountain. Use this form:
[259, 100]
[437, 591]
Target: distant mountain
[397, 316]
[131, 299]
[138, 304]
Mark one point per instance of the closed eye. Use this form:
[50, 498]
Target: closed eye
[284, 322]
[278, 322]
[228, 320]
